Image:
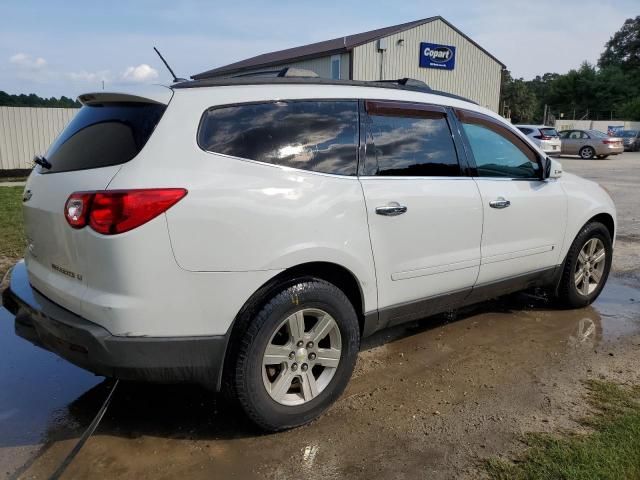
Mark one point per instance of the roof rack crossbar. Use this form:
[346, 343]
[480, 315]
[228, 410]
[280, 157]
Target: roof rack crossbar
[286, 72]
[406, 82]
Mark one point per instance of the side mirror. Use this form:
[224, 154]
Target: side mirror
[551, 168]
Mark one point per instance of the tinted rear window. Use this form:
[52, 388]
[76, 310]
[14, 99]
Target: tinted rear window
[103, 135]
[321, 136]
[549, 132]
[598, 134]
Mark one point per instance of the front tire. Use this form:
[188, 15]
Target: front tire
[297, 355]
[586, 267]
[587, 153]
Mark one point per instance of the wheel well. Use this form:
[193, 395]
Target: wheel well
[339, 276]
[333, 273]
[607, 221]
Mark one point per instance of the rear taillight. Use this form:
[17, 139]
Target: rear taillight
[117, 211]
[610, 142]
[76, 209]
[543, 137]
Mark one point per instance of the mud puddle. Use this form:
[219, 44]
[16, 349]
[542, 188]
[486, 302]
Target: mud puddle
[429, 398]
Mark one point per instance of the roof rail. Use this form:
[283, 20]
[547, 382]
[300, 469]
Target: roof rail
[287, 72]
[270, 79]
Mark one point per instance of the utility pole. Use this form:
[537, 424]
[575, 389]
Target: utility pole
[544, 116]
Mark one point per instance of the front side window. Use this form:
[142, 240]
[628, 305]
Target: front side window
[409, 143]
[321, 136]
[497, 151]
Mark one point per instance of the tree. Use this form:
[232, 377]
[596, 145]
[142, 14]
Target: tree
[518, 98]
[630, 110]
[623, 49]
[33, 100]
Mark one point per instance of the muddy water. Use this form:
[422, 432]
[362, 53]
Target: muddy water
[429, 398]
[36, 389]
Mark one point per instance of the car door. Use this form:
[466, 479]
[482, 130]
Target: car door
[571, 145]
[424, 214]
[524, 216]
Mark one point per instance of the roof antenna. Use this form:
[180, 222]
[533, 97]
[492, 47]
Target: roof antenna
[175, 79]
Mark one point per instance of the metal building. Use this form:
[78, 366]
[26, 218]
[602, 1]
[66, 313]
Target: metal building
[27, 131]
[431, 50]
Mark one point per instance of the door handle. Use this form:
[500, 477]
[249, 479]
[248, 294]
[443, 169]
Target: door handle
[391, 210]
[500, 202]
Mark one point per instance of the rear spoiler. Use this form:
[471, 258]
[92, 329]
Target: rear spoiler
[148, 94]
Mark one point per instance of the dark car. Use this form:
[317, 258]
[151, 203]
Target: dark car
[631, 140]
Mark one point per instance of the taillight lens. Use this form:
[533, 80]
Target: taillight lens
[76, 209]
[117, 211]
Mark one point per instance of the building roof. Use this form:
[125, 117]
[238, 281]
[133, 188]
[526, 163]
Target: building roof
[324, 48]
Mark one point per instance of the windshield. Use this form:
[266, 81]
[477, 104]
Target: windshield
[628, 133]
[549, 132]
[597, 133]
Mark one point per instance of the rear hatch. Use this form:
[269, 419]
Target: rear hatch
[549, 139]
[108, 131]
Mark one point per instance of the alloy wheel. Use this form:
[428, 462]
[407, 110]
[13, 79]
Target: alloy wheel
[590, 266]
[302, 357]
[587, 153]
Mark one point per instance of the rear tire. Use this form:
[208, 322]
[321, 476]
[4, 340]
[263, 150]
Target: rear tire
[587, 153]
[297, 355]
[586, 267]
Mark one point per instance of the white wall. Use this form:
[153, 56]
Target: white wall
[601, 125]
[25, 132]
[476, 75]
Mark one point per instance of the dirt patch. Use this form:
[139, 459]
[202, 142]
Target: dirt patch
[429, 399]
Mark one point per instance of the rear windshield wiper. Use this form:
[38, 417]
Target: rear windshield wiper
[43, 162]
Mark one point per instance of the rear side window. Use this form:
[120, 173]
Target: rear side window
[408, 141]
[321, 136]
[525, 130]
[102, 135]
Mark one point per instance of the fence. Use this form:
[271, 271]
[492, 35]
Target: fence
[25, 132]
[602, 125]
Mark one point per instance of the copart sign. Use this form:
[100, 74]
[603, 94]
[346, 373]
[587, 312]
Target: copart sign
[433, 55]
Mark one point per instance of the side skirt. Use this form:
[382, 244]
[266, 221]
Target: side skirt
[406, 312]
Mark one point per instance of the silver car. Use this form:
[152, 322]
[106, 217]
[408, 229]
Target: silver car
[631, 140]
[589, 144]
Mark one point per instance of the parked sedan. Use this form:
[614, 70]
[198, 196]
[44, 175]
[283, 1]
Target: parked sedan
[631, 139]
[545, 137]
[589, 144]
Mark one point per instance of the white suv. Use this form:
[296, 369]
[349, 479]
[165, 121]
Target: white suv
[546, 138]
[246, 234]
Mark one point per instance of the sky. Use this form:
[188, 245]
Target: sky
[66, 47]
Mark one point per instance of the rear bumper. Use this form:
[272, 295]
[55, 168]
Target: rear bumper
[90, 346]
